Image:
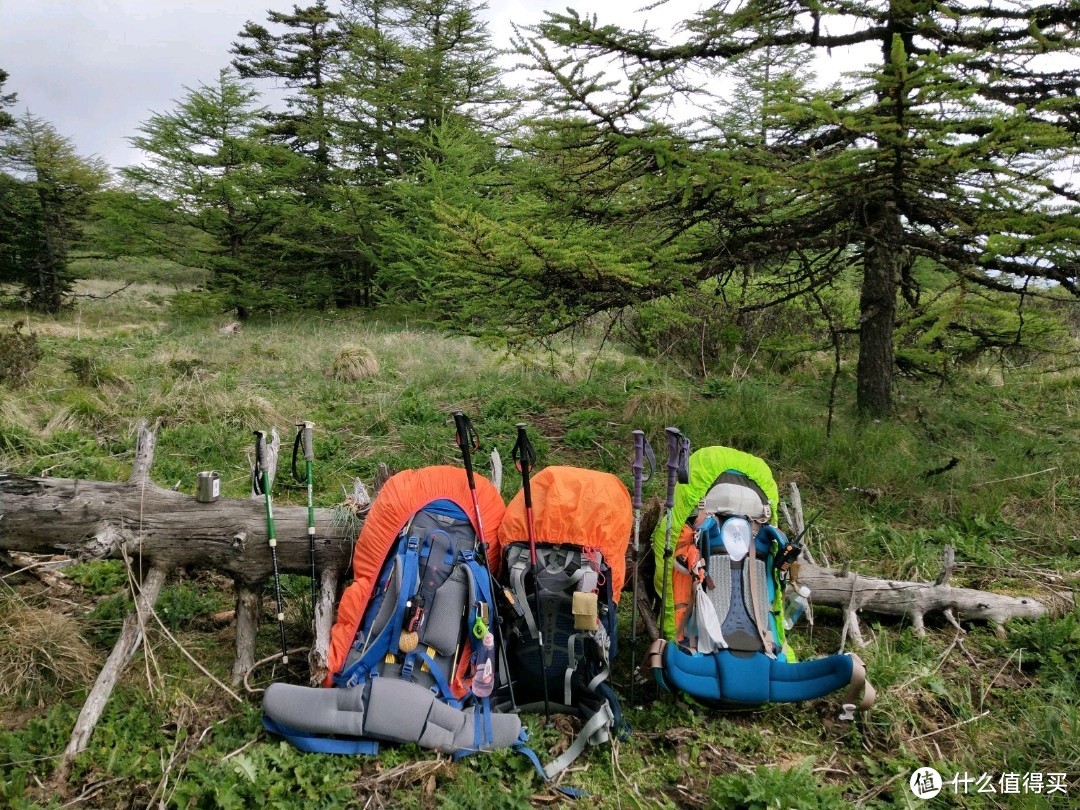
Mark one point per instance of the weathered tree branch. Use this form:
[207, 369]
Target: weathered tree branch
[914, 599]
[131, 635]
[92, 519]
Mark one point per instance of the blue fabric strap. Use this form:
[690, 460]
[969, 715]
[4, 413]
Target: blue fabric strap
[522, 748]
[387, 640]
[410, 572]
[321, 745]
[478, 726]
[480, 576]
[445, 694]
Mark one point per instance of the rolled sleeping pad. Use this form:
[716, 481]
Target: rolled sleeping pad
[387, 709]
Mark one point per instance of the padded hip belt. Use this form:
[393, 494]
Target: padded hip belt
[726, 677]
[392, 710]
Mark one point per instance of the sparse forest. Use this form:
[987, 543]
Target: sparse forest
[369, 220]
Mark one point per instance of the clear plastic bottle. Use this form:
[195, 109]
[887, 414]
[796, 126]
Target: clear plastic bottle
[484, 679]
[795, 605]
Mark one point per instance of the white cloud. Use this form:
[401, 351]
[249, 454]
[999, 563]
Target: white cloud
[96, 69]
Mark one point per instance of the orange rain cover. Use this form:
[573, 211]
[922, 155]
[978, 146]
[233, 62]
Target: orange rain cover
[400, 498]
[576, 506]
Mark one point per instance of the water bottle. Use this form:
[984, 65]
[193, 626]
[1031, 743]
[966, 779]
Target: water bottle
[795, 605]
[484, 679]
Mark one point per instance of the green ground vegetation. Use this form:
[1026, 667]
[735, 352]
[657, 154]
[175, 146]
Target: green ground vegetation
[970, 703]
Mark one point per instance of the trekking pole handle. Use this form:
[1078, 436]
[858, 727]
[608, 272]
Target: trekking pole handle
[466, 434]
[307, 430]
[258, 470]
[524, 459]
[674, 442]
[642, 452]
[638, 466]
[683, 472]
[260, 452]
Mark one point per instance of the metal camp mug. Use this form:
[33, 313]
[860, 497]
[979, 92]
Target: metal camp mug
[208, 486]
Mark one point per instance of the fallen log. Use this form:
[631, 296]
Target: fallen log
[96, 520]
[853, 592]
[90, 520]
[167, 529]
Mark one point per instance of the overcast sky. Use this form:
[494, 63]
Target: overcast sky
[96, 69]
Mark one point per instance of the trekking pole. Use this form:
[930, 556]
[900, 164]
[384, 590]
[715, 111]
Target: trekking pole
[260, 481]
[304, 432]
[525, 459]
[642, 451]
[678, 454]
[468, 440]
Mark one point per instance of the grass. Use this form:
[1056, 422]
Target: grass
[380, 387]
[42, 653]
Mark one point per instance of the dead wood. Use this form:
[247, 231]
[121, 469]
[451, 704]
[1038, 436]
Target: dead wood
[92, 519]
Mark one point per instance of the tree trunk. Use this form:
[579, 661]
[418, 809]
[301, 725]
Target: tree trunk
[88, 519]
[877, 308]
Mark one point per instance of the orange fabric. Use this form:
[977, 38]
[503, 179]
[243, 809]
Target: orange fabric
[458, 686]
[579, 507]
[681, 584]
[400, 498]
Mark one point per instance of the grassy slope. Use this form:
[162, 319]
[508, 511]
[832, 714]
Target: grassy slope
[1012, 704]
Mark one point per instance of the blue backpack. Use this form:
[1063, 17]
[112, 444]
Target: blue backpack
[729, 572]
[412, 650]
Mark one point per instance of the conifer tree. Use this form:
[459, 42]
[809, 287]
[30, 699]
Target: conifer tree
[418, 80]
[940, 149]
[46, 191]
[301, 51]
[411, 66]
[301, 58]
[227, 194]
[6, 100]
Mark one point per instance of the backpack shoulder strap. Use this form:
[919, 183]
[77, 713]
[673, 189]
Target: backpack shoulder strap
[408, 569]
[760, 615]
[594, 732]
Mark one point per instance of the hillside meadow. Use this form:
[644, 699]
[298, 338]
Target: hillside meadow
[986, 462]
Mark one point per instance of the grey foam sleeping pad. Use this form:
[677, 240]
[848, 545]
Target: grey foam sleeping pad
[393, 710]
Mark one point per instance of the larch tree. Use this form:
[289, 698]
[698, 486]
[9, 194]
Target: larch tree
[210, 169]
[6, 100]
[298, 53]
[941, 148]
[419, 79]
[46, 192]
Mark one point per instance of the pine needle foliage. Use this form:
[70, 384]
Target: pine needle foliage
[943, 146]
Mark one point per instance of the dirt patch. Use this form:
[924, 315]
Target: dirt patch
[16, 719]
